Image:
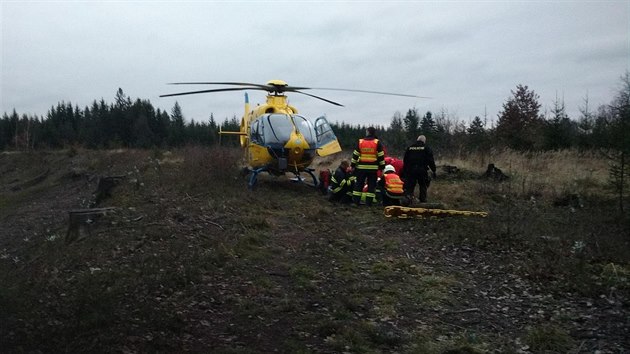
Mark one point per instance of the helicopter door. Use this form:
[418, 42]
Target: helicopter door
[327, 143]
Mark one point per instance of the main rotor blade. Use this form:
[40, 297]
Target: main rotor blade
[214, 90]
[218, 83]
[366, 91]
[319, 98]
[273, 88]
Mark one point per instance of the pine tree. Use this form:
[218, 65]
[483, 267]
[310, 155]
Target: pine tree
[5, 134]
[619, 141]
[520, 123]
[585, 126]
[177, 126]
[427, 125]
[560, 131]
[477, 135]
[142, 114]
[411, 121]
[396, 134]
[213, 131]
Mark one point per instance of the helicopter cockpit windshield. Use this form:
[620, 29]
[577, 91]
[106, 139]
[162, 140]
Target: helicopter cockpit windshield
[275, 129]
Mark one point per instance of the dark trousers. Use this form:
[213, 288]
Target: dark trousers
[362, 176]
[343, 196]
[423, 181]
[388, 200]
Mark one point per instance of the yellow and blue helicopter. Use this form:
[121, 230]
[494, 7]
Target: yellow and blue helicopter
[275, 138]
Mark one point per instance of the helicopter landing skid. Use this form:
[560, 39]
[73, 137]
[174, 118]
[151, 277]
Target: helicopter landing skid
[301, 179]
[254, 176]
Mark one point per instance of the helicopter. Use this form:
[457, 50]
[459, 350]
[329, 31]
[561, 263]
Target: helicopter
[275, 137]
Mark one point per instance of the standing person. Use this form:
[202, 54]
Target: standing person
[367, 159]
[416, 163]
[391, 187]
[341, 184]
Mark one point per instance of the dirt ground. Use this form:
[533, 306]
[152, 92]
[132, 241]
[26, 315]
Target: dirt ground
[175, 254]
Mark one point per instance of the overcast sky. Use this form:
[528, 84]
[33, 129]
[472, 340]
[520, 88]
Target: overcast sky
[466, 55]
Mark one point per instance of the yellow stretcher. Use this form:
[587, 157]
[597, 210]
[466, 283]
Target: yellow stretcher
[406, 212]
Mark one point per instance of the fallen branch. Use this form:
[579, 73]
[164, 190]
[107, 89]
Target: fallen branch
[473, 309]
[212, 223]
[31, 182]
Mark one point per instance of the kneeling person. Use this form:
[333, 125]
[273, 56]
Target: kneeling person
[341, 184]
[392, 187]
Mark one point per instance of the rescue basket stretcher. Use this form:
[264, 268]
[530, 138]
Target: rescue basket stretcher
[407, 212]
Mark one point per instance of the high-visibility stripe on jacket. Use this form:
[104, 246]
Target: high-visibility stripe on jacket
[368, 150]
[340, 180]
[368, 155]
[393, 184]
[337, 185]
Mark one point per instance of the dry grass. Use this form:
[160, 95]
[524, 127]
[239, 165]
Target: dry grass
[547, 174]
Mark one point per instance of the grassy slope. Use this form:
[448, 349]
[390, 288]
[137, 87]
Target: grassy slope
[192, 260]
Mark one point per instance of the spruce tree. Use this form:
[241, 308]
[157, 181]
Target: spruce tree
[411, 122]
[560, 131]
[177, 127]
[477, 135]
[427, 125]
[619, 141]
[519, 124]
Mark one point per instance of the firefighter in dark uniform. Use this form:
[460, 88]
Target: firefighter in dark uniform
[417, 162]
[367, 158]
[341, 184]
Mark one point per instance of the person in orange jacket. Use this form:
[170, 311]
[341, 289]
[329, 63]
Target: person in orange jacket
[367, 158]
[392, 187]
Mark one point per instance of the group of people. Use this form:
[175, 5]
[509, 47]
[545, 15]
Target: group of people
[371, 177]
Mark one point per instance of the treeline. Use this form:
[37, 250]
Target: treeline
[137, 124]
[123, 123]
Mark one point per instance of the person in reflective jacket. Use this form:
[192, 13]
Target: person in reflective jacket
[341, 184]
[368, 157]
[392, 187]
[417, 162]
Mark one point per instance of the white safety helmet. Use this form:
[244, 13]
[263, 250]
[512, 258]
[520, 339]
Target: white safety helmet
[389, 168]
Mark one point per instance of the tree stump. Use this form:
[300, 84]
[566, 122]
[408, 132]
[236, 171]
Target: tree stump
[81, 220]
[493, 172]
[105, 186]
[449, 169]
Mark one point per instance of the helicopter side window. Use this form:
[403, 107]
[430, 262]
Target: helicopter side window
[324, 131]
[256, 132]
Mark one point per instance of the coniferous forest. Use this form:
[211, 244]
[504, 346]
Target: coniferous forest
[521, 125]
